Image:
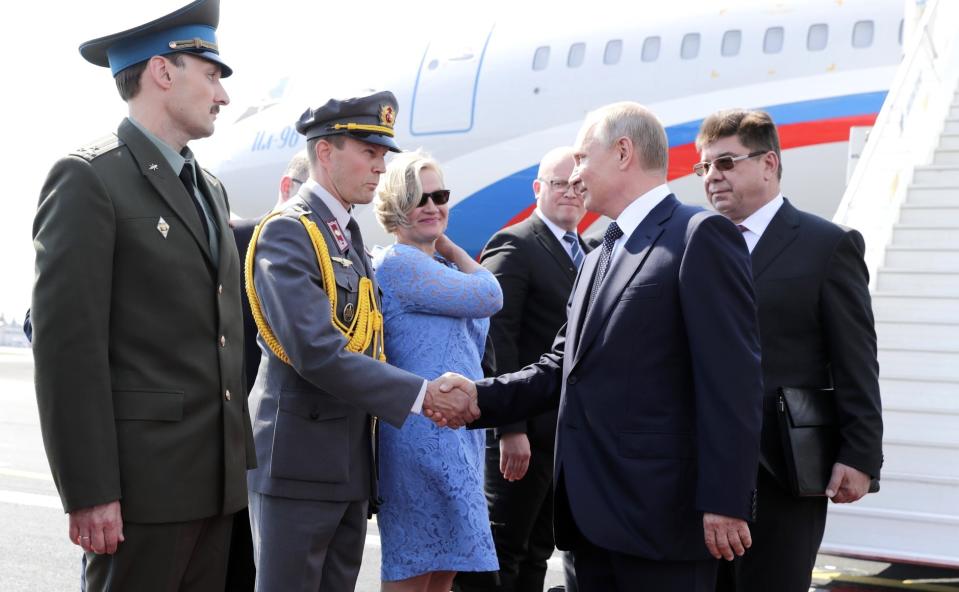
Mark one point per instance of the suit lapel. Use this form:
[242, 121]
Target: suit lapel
[556, 250]
[782, 230]
[580, 298]
[157, 171]
[629, 262]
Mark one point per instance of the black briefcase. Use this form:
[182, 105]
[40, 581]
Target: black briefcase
[809, 426]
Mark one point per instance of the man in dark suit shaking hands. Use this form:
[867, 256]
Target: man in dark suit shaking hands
[817, 331]
[656, 375]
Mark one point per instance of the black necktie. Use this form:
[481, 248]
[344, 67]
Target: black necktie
[613, 233]
[189, 183]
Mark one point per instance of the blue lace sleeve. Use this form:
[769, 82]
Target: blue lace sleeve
[422, 284]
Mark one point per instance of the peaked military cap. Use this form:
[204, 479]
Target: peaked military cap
[190, 29]
[368, 118]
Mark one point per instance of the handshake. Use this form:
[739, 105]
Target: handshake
[451, 401]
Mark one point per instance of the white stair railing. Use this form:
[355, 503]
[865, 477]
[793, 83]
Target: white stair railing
[906, 131]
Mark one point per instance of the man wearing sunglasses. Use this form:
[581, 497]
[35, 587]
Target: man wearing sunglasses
[816, 330]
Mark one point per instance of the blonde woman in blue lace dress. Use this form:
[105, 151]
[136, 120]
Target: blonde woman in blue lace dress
[437, 302]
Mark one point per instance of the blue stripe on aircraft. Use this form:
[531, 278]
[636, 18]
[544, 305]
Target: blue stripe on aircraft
[478, 216]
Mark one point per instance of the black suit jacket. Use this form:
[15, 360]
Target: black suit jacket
[242, 233]
[536, 275]
[817, 330]
[659, 390]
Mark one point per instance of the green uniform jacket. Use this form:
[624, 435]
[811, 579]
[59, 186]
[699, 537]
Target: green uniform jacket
[138, 338]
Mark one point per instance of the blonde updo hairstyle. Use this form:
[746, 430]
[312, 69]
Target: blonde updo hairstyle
[400, 188]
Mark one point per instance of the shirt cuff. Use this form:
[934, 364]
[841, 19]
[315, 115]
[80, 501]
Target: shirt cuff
[418, 403]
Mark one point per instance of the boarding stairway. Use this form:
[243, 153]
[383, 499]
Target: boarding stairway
[904, 197]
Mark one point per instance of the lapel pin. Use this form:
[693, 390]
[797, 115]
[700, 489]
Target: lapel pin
[163, 227]
[153, 167]
[342, 261]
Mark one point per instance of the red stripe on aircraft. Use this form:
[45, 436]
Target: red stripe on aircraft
[793, 135]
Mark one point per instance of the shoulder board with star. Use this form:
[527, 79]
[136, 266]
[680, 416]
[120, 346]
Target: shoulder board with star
[98, 147]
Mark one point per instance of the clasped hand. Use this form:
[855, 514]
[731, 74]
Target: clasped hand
[451, 401]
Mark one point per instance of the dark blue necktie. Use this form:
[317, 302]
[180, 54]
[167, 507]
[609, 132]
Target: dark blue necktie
[613, 233]
[575, 253]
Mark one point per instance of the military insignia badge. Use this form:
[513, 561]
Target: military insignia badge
[348, 312]
[342, 261]
[387, 116]
[163, 227]
[338, 235]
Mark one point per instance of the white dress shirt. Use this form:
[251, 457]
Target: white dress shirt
[759, 220]
[634, 214]
[558, 232]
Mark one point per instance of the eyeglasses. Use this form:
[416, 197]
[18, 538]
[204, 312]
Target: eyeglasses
[556, 184]
[723, 163]
[439, 197]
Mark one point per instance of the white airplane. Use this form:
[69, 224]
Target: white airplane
[491, 97]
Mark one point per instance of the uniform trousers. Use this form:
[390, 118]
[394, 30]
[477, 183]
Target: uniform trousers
[169, 557]
[306, 545]
[786, 537]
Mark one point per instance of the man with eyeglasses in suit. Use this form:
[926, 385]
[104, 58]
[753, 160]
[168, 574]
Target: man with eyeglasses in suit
[816, 330]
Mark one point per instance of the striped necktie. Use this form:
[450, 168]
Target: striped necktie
[575, 252]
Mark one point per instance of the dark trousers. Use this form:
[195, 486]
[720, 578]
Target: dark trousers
[171, 557]
[786, 537]
[521, 513]
[601, 570]
[240, 571]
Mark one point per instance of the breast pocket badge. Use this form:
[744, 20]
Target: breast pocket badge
[163, 227]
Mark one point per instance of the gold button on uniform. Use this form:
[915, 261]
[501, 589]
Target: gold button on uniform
[222, 341]
[226, 395]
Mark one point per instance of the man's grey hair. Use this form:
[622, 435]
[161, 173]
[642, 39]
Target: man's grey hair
[636, 122]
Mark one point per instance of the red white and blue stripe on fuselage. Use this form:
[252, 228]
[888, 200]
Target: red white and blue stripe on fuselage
[806, 123]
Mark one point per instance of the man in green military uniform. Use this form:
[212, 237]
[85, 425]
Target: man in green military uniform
[138, 336]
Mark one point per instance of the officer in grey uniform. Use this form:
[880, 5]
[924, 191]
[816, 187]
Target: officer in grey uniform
[138, 334]
[324, 381]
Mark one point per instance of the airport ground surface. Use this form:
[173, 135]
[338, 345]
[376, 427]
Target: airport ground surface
[35, 555]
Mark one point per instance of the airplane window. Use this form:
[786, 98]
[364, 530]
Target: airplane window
[651, 49]
[541, 58]
[576, 53]
[862, 33]
[732, 41]
[817, 37]
[614, 50]
[690, 47]
[773, 41]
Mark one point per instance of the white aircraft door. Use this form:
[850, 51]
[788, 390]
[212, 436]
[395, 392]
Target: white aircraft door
[445, 93]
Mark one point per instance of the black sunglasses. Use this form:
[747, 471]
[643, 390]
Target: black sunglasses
[439, 197]
[723, 163]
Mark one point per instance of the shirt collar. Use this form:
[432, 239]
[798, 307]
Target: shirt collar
[341, 214]
[556, 230]
[758, 221]
[173, 158]
[637, 211]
